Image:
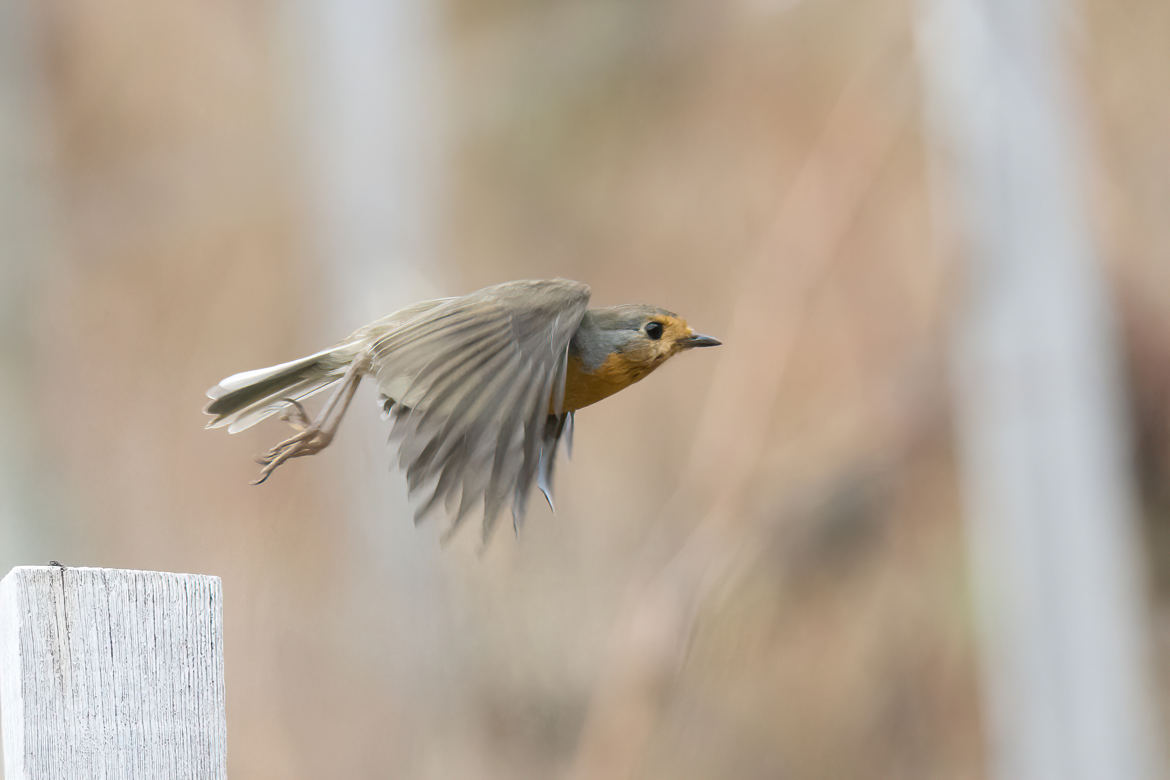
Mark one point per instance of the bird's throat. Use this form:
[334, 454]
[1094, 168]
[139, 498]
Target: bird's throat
[583, 388]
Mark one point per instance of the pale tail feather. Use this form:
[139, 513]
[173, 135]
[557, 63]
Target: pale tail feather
[244, 399]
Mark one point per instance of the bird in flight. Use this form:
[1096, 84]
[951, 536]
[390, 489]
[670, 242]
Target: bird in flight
[480, 388]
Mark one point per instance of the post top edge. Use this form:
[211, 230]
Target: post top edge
[18, 571]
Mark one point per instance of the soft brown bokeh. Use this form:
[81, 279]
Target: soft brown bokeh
[756, 568]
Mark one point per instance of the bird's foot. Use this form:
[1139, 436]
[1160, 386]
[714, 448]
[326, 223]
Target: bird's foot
[295, 415]
[309, 441]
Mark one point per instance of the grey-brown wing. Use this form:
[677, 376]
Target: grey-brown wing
[473, 381]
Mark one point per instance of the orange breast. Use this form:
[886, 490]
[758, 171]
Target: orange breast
[583, 388]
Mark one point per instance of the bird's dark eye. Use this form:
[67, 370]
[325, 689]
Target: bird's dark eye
[654, 330]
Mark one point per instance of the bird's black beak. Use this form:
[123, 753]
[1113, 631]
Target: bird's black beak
[699, 340]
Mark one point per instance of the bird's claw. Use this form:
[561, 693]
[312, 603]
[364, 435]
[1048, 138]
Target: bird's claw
[308, 441]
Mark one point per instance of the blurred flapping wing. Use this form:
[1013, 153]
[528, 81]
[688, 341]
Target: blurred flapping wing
[473, 382]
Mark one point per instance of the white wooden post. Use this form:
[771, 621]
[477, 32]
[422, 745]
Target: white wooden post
[111, 673]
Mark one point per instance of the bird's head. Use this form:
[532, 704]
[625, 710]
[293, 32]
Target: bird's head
[642, 337]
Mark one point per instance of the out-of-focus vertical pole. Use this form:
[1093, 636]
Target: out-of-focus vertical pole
[26, 250]
[1043, 439]
[369, 94]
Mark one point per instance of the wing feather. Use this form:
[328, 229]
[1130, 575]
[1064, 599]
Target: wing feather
[473, 380]
[506, 467]
[471, 411]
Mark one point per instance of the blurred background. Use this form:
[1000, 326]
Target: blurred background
[757, 567]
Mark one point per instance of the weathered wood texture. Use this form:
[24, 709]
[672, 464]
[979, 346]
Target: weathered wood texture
[111, 673]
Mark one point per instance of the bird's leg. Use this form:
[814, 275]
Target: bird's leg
[312, 437]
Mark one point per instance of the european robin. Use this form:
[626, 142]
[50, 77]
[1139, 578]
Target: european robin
[480, 388]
